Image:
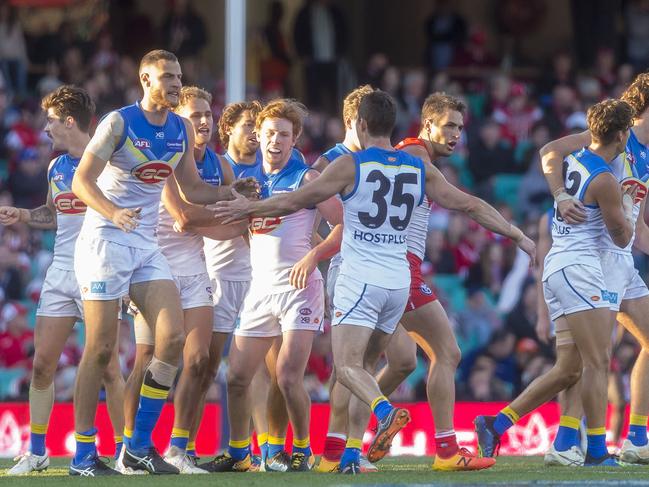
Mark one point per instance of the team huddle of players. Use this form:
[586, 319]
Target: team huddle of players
[205, 246]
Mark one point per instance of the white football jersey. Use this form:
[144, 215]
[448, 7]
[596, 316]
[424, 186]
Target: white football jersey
[378, 213]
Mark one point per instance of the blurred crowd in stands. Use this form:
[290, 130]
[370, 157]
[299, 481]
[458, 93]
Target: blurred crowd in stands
[486, 287]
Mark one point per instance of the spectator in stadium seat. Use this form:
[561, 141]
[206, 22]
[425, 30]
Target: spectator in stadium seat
[17, 340]
[26, 182]
[183, 30]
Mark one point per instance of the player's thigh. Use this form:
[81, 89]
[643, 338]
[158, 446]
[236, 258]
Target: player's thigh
[198, 328]
[431, 329]
[159, 303]
[50, 335]
[101, 321]
[246, 355]
[401, 348]
[634, 316]
[349, 344]
[295, 350]
[376, 345]
[591, 331]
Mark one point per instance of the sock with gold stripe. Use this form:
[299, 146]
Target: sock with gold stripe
[262, 441]
[119, 443]
[179, 438]
[239, 449]
[637, 430]
[381, 407]
[127, 435]
[191, 448]
[85, 445]
[158, 379]
[505, 419]
[596, 442]
[352, 453]
[567, 434]
[37, 438]
[275, 445]
[302, 446]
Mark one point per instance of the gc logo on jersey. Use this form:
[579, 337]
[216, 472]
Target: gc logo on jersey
[265, 224]
[69, 204]
[152, 172]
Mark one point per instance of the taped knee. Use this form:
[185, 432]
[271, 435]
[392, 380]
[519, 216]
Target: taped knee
[160, 374]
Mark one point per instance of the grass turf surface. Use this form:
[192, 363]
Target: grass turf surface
[509, 471]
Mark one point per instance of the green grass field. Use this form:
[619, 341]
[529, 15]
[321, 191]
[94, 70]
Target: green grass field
[510, 471]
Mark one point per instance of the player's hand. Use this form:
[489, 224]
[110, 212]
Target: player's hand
[301, 271]
[248, 187]
[543, 329]
[571, 210]
[178, 228]
[127, 219]
[233, 210]
[9, 215]
[528, 246]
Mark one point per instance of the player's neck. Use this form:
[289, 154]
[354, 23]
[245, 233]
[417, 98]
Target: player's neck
[271, 167]
[430, 149]
[78, 144]
[380, 142]
[350, 144]
[199, 152]
[155, 114]
[240, 157]
[606, 152]
[641, 129]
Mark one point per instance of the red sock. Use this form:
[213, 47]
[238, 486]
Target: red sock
[333, 448]
[446, 446]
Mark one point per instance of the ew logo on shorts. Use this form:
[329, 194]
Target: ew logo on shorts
[98, 287]
[609, 296]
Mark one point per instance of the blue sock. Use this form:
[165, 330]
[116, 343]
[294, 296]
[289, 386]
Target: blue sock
[191, 448]
[505, 419]
[352, 452]
[567, 434]
[302, 446]
[239, 449]
[152, 399]
[179, 438]
[37, 438]
[637, 430]
[264, 451]
[85, 445]
[381, 407]
[597, 442]
[275, 445]
[119, 444]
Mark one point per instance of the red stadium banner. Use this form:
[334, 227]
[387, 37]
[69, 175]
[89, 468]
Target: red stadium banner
[532, 436]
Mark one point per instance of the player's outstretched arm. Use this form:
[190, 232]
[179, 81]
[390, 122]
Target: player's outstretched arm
[552, 156]
[334, 180]
[43, 217]
[94, 159]
[196, 191]
[185, 214]
[332, 211]
[439, 190]
[616, 207]
[542, 248]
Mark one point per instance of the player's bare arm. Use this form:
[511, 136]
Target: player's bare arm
[320, 164]
[616, 209]
[439, 190]
[641, 241]
[337, 178]
[185, 214]
[552, 156]
[542, 248]
[43, 217]
[94, 160]
[196, 191]
[331, 210]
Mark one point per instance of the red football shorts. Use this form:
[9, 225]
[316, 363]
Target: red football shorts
[420, 293]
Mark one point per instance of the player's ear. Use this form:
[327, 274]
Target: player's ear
[144, 78]
[69, 122]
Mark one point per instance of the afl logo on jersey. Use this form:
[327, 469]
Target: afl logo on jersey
[152, 172]
[69, 204]
[265, 225]
[142, 144]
